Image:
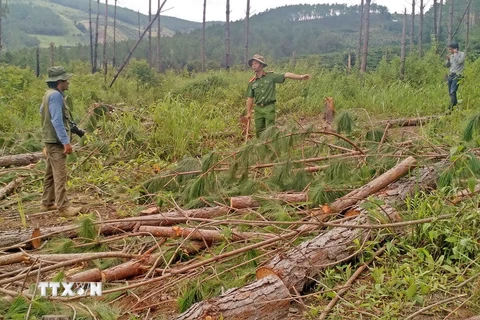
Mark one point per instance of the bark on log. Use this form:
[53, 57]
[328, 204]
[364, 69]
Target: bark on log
[18, 160]
[10, 187]
[307, 260]
[408, 122]
[243, 202]
[23, 257]
[465, 194]
[200, 234]
[361, 193]
[13, 237]
[131, 268]
[265, 299]
[374, 186]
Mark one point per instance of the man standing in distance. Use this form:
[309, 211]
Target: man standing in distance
[56, 118]
[455, 61]
[261, 92]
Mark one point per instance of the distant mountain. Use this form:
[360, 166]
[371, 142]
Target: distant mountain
[28, 23]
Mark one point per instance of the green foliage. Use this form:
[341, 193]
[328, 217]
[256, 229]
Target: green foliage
[88, 229]
[470, 129]
[345, 123]
[191, 295]
[320, 195]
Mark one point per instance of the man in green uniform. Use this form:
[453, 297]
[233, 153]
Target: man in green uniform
[261, 92]
[56, 135]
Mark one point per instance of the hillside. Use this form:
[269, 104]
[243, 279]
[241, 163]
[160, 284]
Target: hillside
[65, 23]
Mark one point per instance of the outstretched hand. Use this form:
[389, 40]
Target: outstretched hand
[306, 76]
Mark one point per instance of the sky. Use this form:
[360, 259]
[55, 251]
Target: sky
[193, 9]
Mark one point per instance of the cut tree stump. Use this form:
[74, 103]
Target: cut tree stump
[329, 113]
[296, 267]
[243, 202]
[18, 160]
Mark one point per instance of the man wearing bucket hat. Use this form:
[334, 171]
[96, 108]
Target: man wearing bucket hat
[56, 136]
[261, 93]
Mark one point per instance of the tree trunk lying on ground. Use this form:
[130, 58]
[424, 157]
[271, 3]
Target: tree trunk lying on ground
[132, 268]
[408, 122]
[18, 160]
[307, 260]
[10, 187]
[361, 193]
[243, 202]
[201, 234]
[264, 299]
[14, 237]
[24, 257]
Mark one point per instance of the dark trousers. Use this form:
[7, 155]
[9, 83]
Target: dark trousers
[453, 83]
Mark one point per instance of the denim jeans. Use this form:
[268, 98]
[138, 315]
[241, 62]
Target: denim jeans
[453, 83]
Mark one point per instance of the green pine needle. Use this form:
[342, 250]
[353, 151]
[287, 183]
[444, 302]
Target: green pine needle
[472, 126]
[345, 123]
[88, 229]
[374, 135]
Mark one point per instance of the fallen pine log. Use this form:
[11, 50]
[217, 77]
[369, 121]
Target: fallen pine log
[13, 238]
[24, 257]
[10, 187]
[242, 202]
[200, 234]
[408, 122]
[363, 192]
[20, 159]
[296, 267]
[264, 299]
[465, 194]
[132, 268]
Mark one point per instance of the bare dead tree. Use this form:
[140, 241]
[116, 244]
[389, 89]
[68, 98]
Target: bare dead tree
[52, 54]
[227, 37]
[150, 56]
[420, 33]
[138, 15]
[467, 26]
[439, 22]
[159, 34]
[435, 19]
[247, 21]
[95, 53]
[450, 21]
[1, 32]
[132, 50]
[412, 27]
[37, 60]
[360, 34]
[366, 37]
[204, 34]
[105, 64]
[92, 61]
[114, 59]
[404, 44]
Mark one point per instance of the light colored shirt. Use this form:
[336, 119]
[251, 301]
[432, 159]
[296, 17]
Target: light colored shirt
[55, 107]
[456, 63]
